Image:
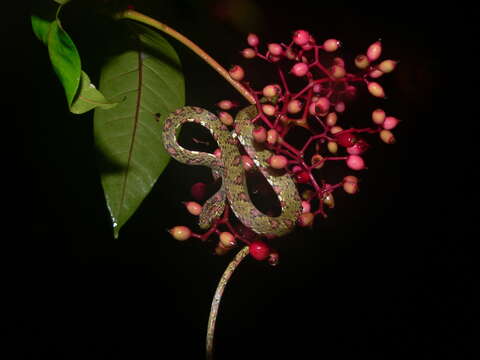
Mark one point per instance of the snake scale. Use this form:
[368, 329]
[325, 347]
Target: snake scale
[229, 168]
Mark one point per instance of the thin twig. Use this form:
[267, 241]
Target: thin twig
[218, 296]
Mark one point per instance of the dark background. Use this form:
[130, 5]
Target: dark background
[387, 275]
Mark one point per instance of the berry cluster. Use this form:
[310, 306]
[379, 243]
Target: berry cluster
[316, 106]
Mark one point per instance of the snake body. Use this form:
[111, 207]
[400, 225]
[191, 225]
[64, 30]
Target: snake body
[229, 168]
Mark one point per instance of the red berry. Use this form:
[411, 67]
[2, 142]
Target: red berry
[346, 139]
[259, 250]
[302, 177]
[199, 191]
[301, 37]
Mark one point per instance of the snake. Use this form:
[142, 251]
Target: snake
[229, 167]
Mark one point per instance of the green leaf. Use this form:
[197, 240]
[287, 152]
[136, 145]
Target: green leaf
[40, 27]
[146, 80]
[88, 97]
[65, 59]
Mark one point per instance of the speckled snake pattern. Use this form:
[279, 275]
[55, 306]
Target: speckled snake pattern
[229, 168]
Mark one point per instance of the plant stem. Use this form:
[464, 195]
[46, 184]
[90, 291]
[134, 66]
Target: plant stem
[135, 15]
[218, 296]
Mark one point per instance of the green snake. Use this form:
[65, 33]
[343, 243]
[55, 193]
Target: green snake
[229, 168]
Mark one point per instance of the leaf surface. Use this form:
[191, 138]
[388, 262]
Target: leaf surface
[146, 79]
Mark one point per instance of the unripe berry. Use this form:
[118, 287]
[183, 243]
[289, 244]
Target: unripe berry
[387, 66]
[225, 118]
[374, 51]
[237, 73]
[227, 239]
[362, 62]
[273, 258]
[355, 162]
[305, 219]
[271, 90]
[294, 106]
[259, 250]
[278, 161]
[332, 147]
[350, 184]
[335, 130]
[247, 163]
[387, 137]
[249, 53]
[346, 139]
[290, 54]
[275, 49]
[301, 37]
[390, 123]
[272, 136]
[378, 116]
[198, 191]
[302, 177]
[268, 109]
[226, 104]
[252, 40]
[259, 134]
[358, 148]
[337, 71]
[306, 207]
[339, 61]
[331, 45]
[180, 233]
[308, 194]
[193, 207]
[331, 119]
[317, 161]
[376, 90]
[299, 69]
[329, 200]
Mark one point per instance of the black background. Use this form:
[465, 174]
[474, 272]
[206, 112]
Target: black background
[387, 275]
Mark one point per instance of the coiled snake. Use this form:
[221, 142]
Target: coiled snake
[229, 168]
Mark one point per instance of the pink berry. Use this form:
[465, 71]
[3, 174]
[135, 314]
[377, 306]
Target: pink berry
[320, 106]
[355, 162]
[271, 90]
[237, 73]
[225, 118]
[226, 104]
[358, 148]
[306, 207]
[301, 37]
[247, 163]
[218, 153]
[198, 191]
[180, 233]
[252, 40]
[193, 207]
[331, 45]
[259, 250]
[259, 134]
[331, 119]
[340, 107]
[375, 73]
[299, 69]
[390, 123]
[275, 49]
[249, 53]
[374, 51]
